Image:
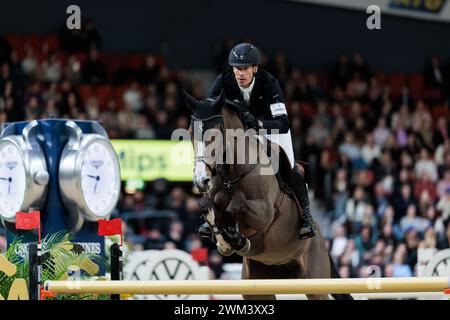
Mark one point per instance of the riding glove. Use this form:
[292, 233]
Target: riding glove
[250, 121]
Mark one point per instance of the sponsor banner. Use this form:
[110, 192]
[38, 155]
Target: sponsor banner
[437, 10]
[171, 264]
[152, 159]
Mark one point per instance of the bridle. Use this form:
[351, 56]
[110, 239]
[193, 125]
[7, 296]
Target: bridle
[222, 170]
[202, 158]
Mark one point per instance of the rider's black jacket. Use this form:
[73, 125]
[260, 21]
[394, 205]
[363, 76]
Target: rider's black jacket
[266, 92]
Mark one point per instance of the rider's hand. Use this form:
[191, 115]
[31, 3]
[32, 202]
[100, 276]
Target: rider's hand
[250, 121]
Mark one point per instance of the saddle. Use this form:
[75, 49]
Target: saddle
[284, 178]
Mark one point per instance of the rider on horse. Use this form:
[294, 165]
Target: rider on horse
[261, 92]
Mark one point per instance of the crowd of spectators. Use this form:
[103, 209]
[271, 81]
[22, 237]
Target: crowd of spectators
[377, 145]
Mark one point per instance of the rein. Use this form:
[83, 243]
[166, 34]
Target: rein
[230, 185]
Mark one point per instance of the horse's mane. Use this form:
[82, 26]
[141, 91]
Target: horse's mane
[231, 113]
[234, 111]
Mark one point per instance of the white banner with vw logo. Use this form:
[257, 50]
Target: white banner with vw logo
[164, 265]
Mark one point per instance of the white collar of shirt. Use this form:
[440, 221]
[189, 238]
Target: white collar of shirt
[246, 92]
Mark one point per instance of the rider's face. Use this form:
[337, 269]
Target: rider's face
[244, 75]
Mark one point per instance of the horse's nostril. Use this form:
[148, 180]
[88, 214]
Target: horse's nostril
[206, 182]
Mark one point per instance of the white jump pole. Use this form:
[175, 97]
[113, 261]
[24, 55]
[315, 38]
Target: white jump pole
[255, 287]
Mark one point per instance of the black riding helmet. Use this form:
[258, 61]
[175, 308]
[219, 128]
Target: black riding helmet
[244, 55]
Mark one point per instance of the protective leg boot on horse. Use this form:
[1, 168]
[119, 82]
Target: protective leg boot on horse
[204, 231]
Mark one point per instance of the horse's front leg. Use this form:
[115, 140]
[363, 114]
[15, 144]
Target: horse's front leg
[256, 213]
[206, 207]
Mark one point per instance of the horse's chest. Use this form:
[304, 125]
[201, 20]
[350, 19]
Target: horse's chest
[221, 200]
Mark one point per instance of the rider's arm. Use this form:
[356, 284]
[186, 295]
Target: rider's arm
[280, 122]
[278, 111]
[216, 87]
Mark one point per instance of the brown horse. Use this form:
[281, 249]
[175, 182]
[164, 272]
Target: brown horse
[247, 211]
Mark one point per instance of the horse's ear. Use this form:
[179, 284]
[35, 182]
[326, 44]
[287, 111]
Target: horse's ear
[191, 102]
[218, 104]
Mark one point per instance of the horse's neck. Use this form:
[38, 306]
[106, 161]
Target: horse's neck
[237, 148]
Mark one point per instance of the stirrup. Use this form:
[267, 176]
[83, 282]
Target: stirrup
[304, 233]
[311, 233]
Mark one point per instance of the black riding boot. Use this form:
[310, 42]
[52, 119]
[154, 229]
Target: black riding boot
[307, 225]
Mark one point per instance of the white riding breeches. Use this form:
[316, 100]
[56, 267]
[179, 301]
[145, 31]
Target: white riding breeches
[284, 140]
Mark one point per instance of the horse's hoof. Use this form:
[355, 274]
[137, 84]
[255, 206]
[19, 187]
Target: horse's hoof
[225, 253]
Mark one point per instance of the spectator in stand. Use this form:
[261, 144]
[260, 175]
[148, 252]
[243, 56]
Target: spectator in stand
[360, 66]
[216, 264]
[30, 63]
[365, 242]
[161, 127]
[429, 241]
[420, 115]
[342, 71]
[442, 132]
[355, 208]
[94, 70]
[344, 271]
[444, 241]
[176, 234]
[360, 131]
[50, 109]
[387, 235]
[339, 128]
[339, 242]
[108, 117]
[443, 205]
[143, 130]
[351, 256]
[426, 165]
[435, 80]
[33, 109]
[155, 239]
[193, 217]
[280, 68]
[400, 268]
[318, 133]
[158, 199]
[370, 150]
[90, 35]
[425, 185]
[405, 98]
[133, 97]
[51, 70]
[357, 88]
[381, 132]
[402, 201]
[149, 71]
[350, 148]
[72, 71]
[315, 90]
[412, 222]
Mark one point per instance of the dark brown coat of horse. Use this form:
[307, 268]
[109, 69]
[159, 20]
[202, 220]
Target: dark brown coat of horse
[265, 216]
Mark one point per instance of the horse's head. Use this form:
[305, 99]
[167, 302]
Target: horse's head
[206, 115]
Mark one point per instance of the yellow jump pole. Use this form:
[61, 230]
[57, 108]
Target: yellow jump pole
[257, 287]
